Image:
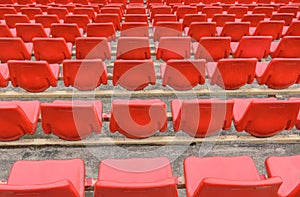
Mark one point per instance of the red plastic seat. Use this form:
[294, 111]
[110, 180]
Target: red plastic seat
[167, 48]
[167, 29]
[289, 9]
[109, 18]
[221, 19]
[183, 10]
[81, 20]
[14, 49]
[133, 48]
[134, 29]
[138, 118]
[143, 18]
[136, 177]
[92, 48]
[252, 47]
[264, 117]
[62, 1]
[28, 31]
[287, 168]
[279, 73]
[84, 74]
[292, 30]
[239, 11]
[189, 18]
[269, 28]
[67, 31]
[136, 10]
[12, 19]
[160, 10]
[102, 30]
[72, 120]
[59, 11]
[112, 10]
[70, 7]
[183, 74]
[201, 118]
[164, 18]
[31, 12]
[82, 2]
[4, 75]
[234, 176]
[223, 73]
[234, 30]
[5, 31]
[85, 11]
[287, 17]
[210, 11]
[7, 2]
[268, 11]
[288, 47]
[212, 48]
[33, 76]
[17, 119]
[197, 30]
[46, 20]
[46, 178]
[254, 19]
[133, 74]
[53, 50]
[6, 10]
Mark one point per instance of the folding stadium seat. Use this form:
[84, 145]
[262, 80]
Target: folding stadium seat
[112, 10]
[267, 11]
[12, 19]
[136, 18]
[212, 48]
[233, 176]
[201, 117]
[133, 48]
[25, 2]
[6, 32]
[72, 120]
[28, 31]
[19, 7]
[191, 2]
[136, 177]
[31, 12]
[223, 72]
[279, 73]
[59, 11]
[221, 19]
[247, 2]
[6, 10]
[134, 74]
[198, 30]
[46, 178]
[167, 29]
[254, 19]
[62, 1]
[47, 20]
[252, 47]
[7, 2]
[82, 2]
[183, 10]
[189, 18]
[81, 20]
[183, 74]
[109, 18]
[167, 48]
[70, 7]
[265, 116]
[263, 2]
[173, 2]
[53, 50]
[239, 11]
[268, 28]
[92, 48]
[164, 18]
[96, 7]
[235, 30]
[292, 30]
[14, 49]
[134, 29]
[287, 17]
[288, 47]
[210, 11]
[289, 9]
[138, 118]
[102, 30]
[67, 31]
[87, 11]
[160, 10]
[43, 2]
[135, 10]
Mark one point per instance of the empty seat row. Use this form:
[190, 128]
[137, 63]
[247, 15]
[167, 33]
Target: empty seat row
[75, 120]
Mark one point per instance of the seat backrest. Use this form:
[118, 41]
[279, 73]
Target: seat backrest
[136, 18]
[134, 29]
[221, 19]
[183, 10]
[270, 28]
[28, 31]
[92, 48]
[87, 11]
[59, 11]
[81, 20]
[189, 18]
[46, 20]
[67, 31]
[164, 18]
[106, 18]
[6, 10]
[5, 32]
[112, 10]
[101, 30]
[294, 29]
[133, 48]
[210, 11]
[163, 29]
[135, 10]
[287, 17]
[254, 19]
[31, 12]
[13, 49]
[12, 19]
[160, 10]
[288, 9]
[239, 11]
[235, 30]
[198, 30]
[288, 47]
[268, 11]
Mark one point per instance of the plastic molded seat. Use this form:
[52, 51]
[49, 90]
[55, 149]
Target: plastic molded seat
[17, 119]
[210, 11]
[6, 10]
[67, 31]
[53, 50]
[254, 19]
[72, 120]
[234, 30]
[102, 30]
[287, 17]
[46, 178]
[164, 18]
[268, 11]
[167, 48]
[86, 11]
[136, 10]
[183, 74]
[133, 74]
[183, 10]
[252, 47]
[112, 10]
[92, 48]
[288, 47]
[133, 48]
[212, 48]
[221, 19]
[239, 11]
[292, 30]
[33, 76]
[31, 12]
[269, 28]
[84, 74]
[234, 176]
[146, 177]
[5, 31]
[138, 118]
[289, 9]
[279, 73]
[109, 18]
[136, 18]
[14, 49]
[224, 73]
[167, 29]
[160, 10]
[189, 18]
[197, 30]
[28, 31]
[12, 19]
[201, 117]
[266, 116]
[81, 20]
[46, 20]
[134, 29]
[59, 11]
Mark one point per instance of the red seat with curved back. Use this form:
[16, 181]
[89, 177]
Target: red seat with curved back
[288, 47]
[201, 117]
[266, 10]
[28, 31]
[167, 48]
[162, 9]
[287, 17]
[292, 30]
[81, 20]
[133, 74]
[33, 76]
[183, 10]
[12, 19]
[5, 32]
[210, 11]
[143, 18]
[67, 31]
[279, 73]
[14, 49]
[265, 116]
[46, 178]
[268, 28]
[84, 74]
[92, 48]
[223, 73]
[109, 18]
[133, 48]
[18, 118]
[46, 20]
[221, 19]
[289, 9]
[86, 11]
[6, 10]
[134, 29]
[239, 11]
[72, 120]
[4, 75]
[164, 18]
[252, 47]
[234, 176]
[112, 10]
[183, 74]
[254, 19]
[102, 30]
[59, 11]
[53, 50]
[136, 10]
[167, 29]
[31, 12]
[234, 30]
[146, 177]
[189, 18]
[138, 118]
[197, 30]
